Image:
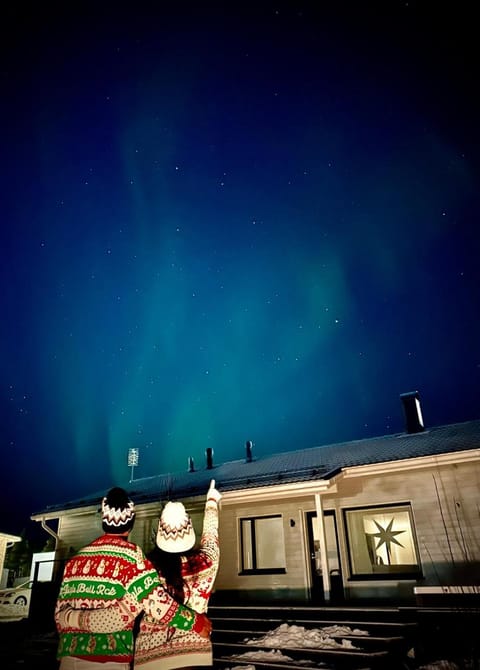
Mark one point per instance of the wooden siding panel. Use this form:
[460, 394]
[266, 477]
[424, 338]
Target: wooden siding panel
[77, 530]
[295, 547]
[446, 532]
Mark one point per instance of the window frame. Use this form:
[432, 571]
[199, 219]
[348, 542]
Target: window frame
[257, 571]
[412, 574]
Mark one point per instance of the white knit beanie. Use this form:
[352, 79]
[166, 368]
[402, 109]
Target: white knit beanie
[175, 530]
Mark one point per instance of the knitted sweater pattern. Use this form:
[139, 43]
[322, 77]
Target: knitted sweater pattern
[111, 570]
[169, 647]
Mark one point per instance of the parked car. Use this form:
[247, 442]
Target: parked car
[17, 595]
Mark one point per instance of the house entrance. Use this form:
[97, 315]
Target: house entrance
[336, 584]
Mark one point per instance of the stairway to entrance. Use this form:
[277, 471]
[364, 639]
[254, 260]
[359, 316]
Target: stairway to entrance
[294, 637]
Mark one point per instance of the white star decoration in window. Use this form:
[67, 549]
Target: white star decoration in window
[386, 536]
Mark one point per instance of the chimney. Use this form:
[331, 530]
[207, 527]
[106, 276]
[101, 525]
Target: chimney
[248, 451]
[413, 412]
[209, 455]
[191, 467]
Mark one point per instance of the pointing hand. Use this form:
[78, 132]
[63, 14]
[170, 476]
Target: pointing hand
[212, 493]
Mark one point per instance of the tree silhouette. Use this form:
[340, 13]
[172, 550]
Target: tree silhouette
[18, 557]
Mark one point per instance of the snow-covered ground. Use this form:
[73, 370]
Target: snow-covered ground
[311, 638]
[297, 637]
[272, 656]
[13, 612]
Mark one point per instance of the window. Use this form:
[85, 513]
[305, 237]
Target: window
[381, 542]
[263, 546]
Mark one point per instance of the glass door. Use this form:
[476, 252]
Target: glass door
[336, 584]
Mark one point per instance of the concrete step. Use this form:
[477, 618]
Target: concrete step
[334, 658]
[236, 630]
[368, 641]
[378, 628]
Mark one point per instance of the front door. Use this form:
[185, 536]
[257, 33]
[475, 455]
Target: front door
[336, 586]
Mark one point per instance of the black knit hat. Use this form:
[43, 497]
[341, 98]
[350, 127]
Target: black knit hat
[118, 512]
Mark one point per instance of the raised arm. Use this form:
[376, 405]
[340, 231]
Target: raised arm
[209, 545]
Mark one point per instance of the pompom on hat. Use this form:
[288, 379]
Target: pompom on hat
[175, 529]
[118, 512]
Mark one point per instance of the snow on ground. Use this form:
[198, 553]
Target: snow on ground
[13, 612]
[298, 637]
[307, 638]
[274, 656]
[440, 665]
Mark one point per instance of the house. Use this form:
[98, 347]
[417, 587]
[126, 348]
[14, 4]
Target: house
[369, 519]
[6, 541]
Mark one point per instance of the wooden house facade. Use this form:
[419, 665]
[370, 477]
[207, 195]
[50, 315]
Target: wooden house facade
[381, 519]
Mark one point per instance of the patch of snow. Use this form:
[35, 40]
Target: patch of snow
[12, 612]
[307, 638]
[275, 656]
[440, 665]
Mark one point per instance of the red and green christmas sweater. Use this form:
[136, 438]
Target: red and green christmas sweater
[112, 570]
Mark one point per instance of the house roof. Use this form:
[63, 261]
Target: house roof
[321, 462]
[6, 537]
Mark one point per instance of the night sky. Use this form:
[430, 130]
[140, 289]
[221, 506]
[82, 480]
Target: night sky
[224, 222]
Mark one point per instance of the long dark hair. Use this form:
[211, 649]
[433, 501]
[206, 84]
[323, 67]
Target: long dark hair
[169, 566]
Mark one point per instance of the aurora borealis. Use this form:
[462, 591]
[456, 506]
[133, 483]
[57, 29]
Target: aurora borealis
[223, 223]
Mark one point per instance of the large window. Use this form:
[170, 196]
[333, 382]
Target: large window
[263, 545]
[381, 542]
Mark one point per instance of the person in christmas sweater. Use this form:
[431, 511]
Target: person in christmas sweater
[188, 575]
[113, 579]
